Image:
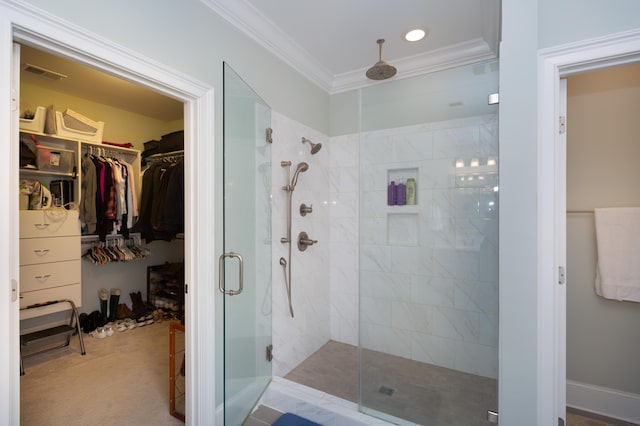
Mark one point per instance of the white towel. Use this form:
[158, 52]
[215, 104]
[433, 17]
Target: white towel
[618, 242]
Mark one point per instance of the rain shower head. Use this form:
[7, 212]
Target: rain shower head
[302, 167]
[315, 147]
[381, 70]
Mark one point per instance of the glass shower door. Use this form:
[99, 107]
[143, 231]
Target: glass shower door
[245, 266]
[429, 258]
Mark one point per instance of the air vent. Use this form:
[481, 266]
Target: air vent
[34, 69]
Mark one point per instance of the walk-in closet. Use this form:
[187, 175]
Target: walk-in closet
[101, 246]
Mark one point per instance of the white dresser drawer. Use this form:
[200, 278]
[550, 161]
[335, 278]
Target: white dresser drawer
[71, 292]
[49, 223]
[45, 250]
[47, 275]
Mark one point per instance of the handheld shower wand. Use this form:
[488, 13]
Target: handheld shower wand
[302, 167]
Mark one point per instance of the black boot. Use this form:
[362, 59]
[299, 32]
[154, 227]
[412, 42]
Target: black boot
[113, 304]
[104, 296]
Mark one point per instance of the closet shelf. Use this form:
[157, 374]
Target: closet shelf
[34, 172]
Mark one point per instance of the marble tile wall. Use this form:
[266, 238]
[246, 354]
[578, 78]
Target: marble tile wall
[429, 272]
[294, 339]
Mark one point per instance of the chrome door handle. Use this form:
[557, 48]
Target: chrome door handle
[221, 286]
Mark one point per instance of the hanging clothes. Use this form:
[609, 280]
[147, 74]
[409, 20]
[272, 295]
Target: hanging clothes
[108, 195]
[162, 203]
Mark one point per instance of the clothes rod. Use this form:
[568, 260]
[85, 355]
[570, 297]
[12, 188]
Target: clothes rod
[165, 154]
[580, 211]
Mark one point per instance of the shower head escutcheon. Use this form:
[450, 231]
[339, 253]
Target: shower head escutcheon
[315, 147]
[302, 167]
[381, 70]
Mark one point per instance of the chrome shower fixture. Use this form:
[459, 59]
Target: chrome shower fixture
[289, 187]
[302, 167]
[315, 147]
[381, 70]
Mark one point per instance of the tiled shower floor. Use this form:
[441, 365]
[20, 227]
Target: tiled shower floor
[411, 390]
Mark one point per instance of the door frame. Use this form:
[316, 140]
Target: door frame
[21, 22]
[553, 64]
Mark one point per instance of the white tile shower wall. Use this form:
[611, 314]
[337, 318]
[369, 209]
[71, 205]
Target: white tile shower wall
[294, 339]
[435, 297]
[344, 195]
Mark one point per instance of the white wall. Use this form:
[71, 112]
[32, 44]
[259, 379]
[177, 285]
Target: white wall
[603, 150]
[294, 339]
[344, 235]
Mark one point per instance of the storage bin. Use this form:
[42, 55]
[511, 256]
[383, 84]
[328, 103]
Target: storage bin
[36, 124]
[55, 159]
[65, 132]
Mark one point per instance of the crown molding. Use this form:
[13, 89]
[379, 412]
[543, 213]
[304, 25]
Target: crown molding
[261, 29]
[466, 53]
[246, 18]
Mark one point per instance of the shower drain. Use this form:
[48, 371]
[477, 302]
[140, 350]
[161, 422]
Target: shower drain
[386, 390]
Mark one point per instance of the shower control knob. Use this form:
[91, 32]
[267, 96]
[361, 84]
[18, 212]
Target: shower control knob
[304, 209]
[304, 241]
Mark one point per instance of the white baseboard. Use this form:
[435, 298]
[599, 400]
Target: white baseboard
[604, 401]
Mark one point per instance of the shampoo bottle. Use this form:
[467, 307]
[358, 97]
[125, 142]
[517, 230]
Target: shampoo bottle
[392, 194]
[411, 191]
[401, 194]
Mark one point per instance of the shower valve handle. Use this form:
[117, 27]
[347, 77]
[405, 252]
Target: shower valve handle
[304, 209]
[304, 241]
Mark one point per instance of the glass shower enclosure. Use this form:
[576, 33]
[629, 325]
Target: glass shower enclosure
[428, 248]
[245, 266]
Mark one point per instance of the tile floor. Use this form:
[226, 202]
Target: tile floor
[410, 390]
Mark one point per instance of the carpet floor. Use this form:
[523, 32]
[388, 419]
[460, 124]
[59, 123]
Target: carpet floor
[122, 380]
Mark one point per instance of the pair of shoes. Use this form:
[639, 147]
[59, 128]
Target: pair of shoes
[101, 332]
[141, 321]
[130, 324]
[121, 326]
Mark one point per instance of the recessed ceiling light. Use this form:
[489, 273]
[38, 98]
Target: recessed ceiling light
[415, 35]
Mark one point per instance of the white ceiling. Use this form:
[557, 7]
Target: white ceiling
[331, 42]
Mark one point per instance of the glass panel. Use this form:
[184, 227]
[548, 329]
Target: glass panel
[429, 247]
[247, 229]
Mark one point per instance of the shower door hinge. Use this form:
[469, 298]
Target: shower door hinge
[561, 275]
[563, 125]
[269, 135]
[269, 352]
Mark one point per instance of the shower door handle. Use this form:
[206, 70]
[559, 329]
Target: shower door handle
[221, 261]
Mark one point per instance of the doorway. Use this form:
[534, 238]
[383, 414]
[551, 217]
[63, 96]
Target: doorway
[556, 63]
[198, 100]
[602, 135]
[135, 260]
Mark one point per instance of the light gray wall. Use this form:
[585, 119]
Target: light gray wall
[567, 21]
[188, 36]
[526, 26]
[518, 370]
[603, 150]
